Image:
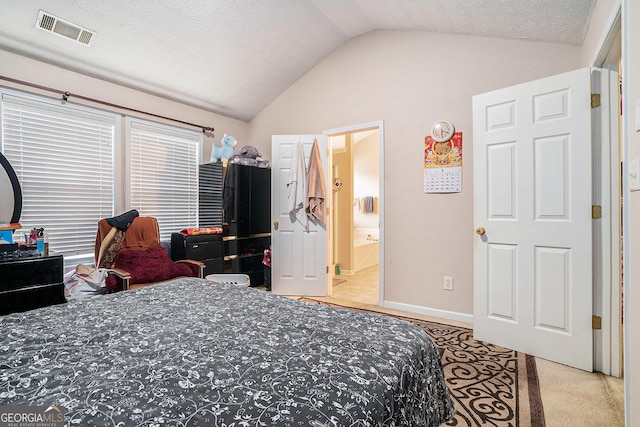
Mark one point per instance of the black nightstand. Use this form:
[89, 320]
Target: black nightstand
[31, 282]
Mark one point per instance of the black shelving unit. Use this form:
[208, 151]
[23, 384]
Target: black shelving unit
[247, 217]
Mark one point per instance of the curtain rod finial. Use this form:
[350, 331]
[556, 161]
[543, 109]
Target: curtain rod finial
[207, 131]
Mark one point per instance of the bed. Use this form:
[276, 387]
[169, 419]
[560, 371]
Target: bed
[191, 352]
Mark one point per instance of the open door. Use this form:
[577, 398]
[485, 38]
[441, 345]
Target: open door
[532, 212]
[298, 255]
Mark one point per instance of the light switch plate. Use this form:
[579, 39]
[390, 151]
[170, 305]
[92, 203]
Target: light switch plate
[634, 175]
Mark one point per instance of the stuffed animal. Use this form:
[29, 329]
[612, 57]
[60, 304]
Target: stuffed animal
[225, 152]
[247, 155]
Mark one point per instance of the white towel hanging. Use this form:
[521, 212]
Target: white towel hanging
[296, 187]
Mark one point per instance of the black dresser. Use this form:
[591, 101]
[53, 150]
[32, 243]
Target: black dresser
[207, 248]
[31, 282]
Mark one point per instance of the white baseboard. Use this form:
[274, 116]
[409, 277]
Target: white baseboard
[434, 312]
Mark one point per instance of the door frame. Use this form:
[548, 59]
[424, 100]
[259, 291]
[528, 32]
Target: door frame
[608, 344]
[606, 230]
[352, 129]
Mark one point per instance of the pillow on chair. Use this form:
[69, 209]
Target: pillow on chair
[147, 266]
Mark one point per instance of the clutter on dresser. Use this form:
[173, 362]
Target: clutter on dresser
[24, 245]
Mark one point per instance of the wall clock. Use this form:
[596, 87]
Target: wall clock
[442, 131]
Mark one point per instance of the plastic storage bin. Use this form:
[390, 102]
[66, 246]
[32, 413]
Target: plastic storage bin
[233, 279]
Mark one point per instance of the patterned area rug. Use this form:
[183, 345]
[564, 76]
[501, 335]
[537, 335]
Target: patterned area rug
[490, 385]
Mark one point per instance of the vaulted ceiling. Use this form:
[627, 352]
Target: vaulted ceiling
[234, 57]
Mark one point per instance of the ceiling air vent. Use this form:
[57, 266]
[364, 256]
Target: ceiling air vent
[53, 24]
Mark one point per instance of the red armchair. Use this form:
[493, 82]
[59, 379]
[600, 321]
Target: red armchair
[135, 256]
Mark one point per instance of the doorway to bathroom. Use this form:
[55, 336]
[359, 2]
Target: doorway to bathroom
[356, 236]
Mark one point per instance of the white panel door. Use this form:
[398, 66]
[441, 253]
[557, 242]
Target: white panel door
[532, 197]
[298, 256]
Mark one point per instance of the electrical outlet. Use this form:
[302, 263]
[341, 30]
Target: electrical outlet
[448, 283]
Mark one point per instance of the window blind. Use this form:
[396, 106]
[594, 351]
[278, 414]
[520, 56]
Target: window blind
[63, 156]
[163, 174]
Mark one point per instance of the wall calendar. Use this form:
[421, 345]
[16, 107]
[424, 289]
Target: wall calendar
[443, 165]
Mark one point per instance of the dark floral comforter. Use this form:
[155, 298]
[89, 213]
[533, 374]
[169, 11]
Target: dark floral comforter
[197, 353]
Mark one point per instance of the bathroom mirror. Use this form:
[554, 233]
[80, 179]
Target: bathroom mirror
[10, 193]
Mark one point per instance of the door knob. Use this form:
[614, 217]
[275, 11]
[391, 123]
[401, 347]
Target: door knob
[276, 223]
[480, 231]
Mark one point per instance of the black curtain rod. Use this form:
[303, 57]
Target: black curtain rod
[66, 95]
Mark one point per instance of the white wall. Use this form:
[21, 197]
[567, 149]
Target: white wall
[602, 17]
[410, 79]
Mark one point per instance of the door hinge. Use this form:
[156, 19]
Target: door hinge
[595, 100]
[596, 322]
[596, 211]
[327, 269]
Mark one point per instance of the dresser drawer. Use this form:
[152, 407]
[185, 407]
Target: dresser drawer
[204, 250]
[29, 272]
[31, 298]
[29, 283]
[198, 247]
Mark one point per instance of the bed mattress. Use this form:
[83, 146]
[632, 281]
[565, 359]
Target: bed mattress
[193, 352]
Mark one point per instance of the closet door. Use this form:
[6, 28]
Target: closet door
[532, 203]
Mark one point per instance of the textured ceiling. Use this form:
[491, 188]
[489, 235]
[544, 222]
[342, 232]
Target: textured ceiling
[233, 57]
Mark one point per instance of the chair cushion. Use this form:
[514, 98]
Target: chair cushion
[147, 266]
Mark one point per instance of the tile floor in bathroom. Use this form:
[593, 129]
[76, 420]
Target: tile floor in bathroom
[361, 287]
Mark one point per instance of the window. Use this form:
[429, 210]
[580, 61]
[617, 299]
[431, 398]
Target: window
[63, 155]
[162, 170]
